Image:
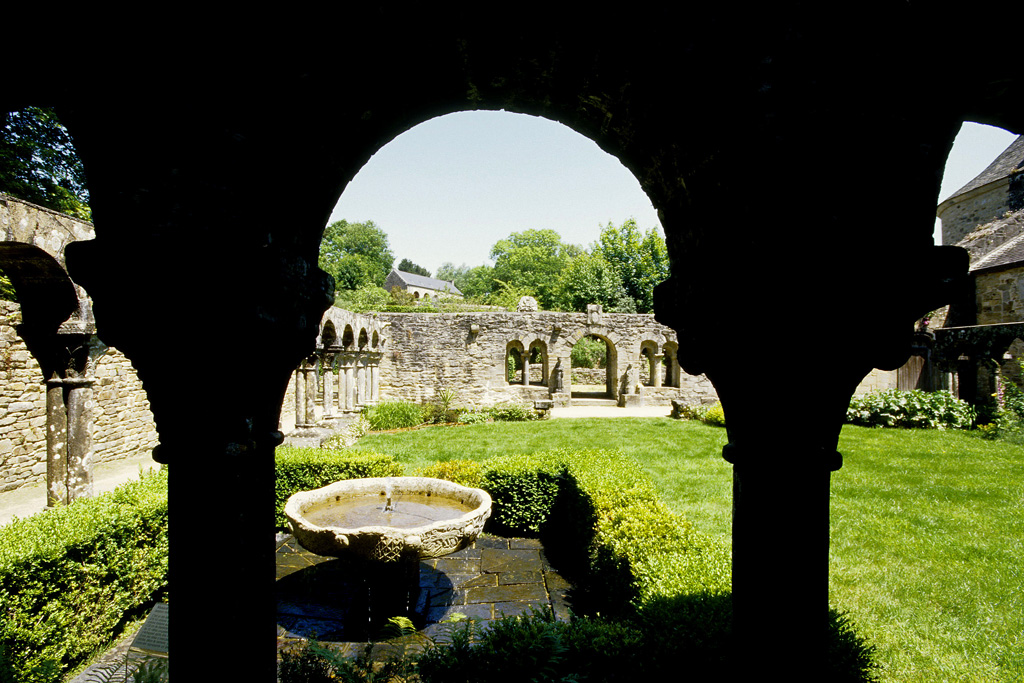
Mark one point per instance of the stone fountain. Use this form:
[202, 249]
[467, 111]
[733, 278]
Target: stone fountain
[385, 526]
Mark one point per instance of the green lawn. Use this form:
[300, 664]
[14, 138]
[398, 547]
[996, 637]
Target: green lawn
[927, 526]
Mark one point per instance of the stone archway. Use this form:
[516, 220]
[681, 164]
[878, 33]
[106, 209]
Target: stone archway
[173, 183]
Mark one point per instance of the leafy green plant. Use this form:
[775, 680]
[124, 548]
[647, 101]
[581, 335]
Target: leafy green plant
[472, 417]
[715, 415]
[389, 415]
[896, 408]
[512, 412]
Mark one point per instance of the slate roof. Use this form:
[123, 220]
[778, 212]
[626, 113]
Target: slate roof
[1007, 254]
[427, 282]
[1011, 158]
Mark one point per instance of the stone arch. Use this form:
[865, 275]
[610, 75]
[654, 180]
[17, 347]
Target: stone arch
[348, 337]
[364, 339]
[537, 356]
[329, 336]
[512, 364]
[613, 342]
[670, 350]
[650, 369]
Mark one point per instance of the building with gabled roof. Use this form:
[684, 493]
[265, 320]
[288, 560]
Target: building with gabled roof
[421, 287]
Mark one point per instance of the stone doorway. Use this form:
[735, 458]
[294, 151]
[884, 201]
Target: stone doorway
[594, 369]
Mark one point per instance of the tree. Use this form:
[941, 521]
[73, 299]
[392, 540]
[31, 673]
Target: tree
[38, 162]
[589, 279]
[640, 259]
[474, 283]
[356, 254]
[407, 266]
[531, 261]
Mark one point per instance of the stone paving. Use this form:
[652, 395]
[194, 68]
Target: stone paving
[320, 597]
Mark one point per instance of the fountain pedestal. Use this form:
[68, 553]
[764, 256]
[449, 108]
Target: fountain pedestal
[384, 527]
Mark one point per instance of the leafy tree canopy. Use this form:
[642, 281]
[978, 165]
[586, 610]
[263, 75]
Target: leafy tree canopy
[356, 254]
[38, 162]
[407, 266]
[532, 261]
[640, 259]
[589, 279]
[474, 283]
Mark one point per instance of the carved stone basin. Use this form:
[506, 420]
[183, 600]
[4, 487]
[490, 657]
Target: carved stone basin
[388, 519]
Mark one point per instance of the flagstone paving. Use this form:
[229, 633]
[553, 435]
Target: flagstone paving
[324, 598]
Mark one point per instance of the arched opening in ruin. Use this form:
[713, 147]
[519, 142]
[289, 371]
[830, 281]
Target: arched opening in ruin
[537, 356]
[595, 372]
[514, 355]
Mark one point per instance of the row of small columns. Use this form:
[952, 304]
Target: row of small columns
[358, 384]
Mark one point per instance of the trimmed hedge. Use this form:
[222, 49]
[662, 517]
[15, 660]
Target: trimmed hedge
[71, 577]
[305, 469]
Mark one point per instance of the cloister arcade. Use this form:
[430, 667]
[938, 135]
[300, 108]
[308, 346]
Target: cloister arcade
[183, 165]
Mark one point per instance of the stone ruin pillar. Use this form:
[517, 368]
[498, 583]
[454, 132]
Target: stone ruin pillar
[526, 369]
[348, 368]
[656, 378]
[70, 409]
[375, 378]
[328, 364]
[305, 393]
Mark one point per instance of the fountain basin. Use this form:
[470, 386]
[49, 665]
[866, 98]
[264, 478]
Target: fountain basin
[430, 518]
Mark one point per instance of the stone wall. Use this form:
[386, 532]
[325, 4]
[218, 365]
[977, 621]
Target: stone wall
[974, 208]
[428, 352]
[123, 423]
[1000, 296]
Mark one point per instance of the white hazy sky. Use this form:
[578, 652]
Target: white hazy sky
[451, 187]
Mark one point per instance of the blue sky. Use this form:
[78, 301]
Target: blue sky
[451, 187]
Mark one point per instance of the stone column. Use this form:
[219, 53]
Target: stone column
[69, 416]
[348, 361]
[300, 394]
[311, 391]
[328, 363]
[526, 369]
[56, 443]
[656, 371]
[375, 379]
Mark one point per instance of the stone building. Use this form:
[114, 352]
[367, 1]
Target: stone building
[985, 327]
[420, 286]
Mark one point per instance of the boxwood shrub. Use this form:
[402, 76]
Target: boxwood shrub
[304, 469]
[71, 577]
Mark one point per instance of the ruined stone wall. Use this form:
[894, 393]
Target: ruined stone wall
[123, 423]
[428, 352]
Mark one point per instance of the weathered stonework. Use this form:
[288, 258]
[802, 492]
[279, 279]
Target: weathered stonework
[467, 352]
[123, 424]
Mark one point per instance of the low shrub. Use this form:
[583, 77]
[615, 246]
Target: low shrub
[71, 577]
[512, 412]
[472, 417]
[304, 469]
[715, 415]
[897, 408]
[523, 490]
[464, 472]
[389, 415]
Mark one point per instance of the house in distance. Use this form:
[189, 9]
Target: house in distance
[421, 287]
